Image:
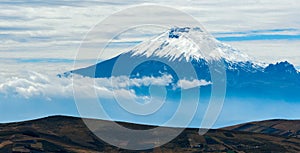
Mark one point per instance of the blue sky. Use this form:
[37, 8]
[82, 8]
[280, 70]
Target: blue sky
[39, 39]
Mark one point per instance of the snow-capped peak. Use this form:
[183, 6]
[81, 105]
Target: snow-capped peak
[187, 43]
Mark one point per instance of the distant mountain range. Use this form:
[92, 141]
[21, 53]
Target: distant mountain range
[69, 134]
[175, 49]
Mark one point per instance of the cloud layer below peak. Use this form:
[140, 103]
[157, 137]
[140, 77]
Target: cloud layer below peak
[37, 85]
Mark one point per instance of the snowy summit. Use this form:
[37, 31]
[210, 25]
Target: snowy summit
[187, 43]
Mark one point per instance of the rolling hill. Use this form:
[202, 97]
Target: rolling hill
[69, 134]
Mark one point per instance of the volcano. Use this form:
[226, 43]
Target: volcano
[191, 53]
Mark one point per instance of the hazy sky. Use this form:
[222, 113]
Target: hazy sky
[39, 39]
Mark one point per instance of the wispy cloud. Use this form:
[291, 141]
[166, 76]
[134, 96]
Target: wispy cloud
[261, 34]
[261, 31]
[42, 27]
[270, 50]
[259, 37]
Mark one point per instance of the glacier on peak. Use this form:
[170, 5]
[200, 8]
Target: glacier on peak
[188, 44]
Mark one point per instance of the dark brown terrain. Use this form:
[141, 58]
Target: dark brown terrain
[69, 134]
[288, 128]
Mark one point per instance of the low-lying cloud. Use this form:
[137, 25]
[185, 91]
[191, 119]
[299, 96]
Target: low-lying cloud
[187, 84]
[37, 85]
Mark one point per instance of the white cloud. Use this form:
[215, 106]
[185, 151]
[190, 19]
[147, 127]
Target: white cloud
[187, 84]
[37, 85]
[124, 81]
[32, 84]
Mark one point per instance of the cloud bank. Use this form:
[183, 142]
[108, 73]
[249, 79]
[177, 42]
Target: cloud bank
[33, 94]
[38, 85]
